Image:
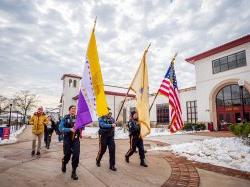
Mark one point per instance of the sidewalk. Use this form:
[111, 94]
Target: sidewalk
[18, 168]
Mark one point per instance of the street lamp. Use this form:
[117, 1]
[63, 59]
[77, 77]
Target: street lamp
[241, 85]
[16, 120]
[10, 114]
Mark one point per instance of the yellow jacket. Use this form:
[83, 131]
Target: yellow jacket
[38, 122]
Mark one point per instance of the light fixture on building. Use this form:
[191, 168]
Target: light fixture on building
[241, 82]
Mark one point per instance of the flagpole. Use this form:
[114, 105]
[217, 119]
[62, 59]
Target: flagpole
[158, 89]
[94, 24]
[148, 47]
[153, 100]
[122, 104]
[129, 90]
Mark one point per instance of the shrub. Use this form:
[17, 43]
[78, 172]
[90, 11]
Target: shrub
[232, 127]
[240, 129]
[194, 126]
[187, 127]
[201, 126]
[197, 127]
[246, 130]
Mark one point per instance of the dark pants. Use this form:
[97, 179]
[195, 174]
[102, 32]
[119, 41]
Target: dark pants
[71, 147]
[49, 133]
[104, 142]
[136, 141]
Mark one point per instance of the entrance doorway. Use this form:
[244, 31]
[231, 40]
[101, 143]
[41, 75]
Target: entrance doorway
[229, 108]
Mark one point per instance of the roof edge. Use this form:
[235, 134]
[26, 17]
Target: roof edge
[220, 48]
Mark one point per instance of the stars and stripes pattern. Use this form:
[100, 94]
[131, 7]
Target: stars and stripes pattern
[169, 88]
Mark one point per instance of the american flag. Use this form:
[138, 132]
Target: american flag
[169, 88]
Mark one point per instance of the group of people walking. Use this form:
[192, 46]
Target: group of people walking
[71, 138]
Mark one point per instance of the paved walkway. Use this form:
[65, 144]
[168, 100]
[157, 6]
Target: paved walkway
[18, 168]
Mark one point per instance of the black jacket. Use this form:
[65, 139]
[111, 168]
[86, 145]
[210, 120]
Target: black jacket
[66, 124]
[105, 124]
[53, 127]
[134, 128]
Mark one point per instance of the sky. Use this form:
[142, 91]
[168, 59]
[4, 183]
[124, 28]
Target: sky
[40, 40]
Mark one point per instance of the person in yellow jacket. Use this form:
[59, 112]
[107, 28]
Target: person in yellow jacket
[38, 120]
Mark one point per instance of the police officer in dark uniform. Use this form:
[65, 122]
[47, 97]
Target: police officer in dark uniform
[71, 142]
[135, 139]
[106, 139]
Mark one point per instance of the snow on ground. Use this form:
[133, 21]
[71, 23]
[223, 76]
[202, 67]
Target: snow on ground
[93, 132]
[227, 152]
[121, 133]
[13, 137]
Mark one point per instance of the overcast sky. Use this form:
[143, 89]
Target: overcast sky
[41, 40]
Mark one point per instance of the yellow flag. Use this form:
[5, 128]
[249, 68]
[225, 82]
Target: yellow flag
[96, 77]
[140, 86]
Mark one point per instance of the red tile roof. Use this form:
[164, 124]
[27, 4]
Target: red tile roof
[221, 48]
[118, 94]
[112, 93]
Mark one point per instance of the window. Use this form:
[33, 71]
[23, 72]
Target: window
[229, 62]
[162, 113]
[216, 66]
[75, 83]
[124, 115]
[223, 64]
[191, 111]
[241, 58]
[229, 96]
[232, 61]
[70, 82]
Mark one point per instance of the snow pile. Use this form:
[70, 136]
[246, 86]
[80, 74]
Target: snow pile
[13, 137]
[166, 132]
[227, 152]
[92, 132]
[120, 133]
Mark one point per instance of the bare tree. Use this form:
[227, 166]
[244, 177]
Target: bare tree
[25, 101]
[4, 103]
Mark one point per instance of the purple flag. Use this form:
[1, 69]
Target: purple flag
[83, 114]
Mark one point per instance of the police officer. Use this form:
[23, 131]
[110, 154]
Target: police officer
[135, 139]
[71, 142]
[106, 139]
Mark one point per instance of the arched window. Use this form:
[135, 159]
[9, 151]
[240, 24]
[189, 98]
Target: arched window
[75, 83]
[230, 96]
[228, 105]
[70, 82]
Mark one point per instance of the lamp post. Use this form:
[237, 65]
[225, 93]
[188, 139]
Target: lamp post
[16, 120]
[10, 114]
[241, 85]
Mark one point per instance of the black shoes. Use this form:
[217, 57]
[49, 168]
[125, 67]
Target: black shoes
[74, 175]
[143, 164]
[32, 153]
[63, 167]
[113, 168]
[127, 159]
[98, 164]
